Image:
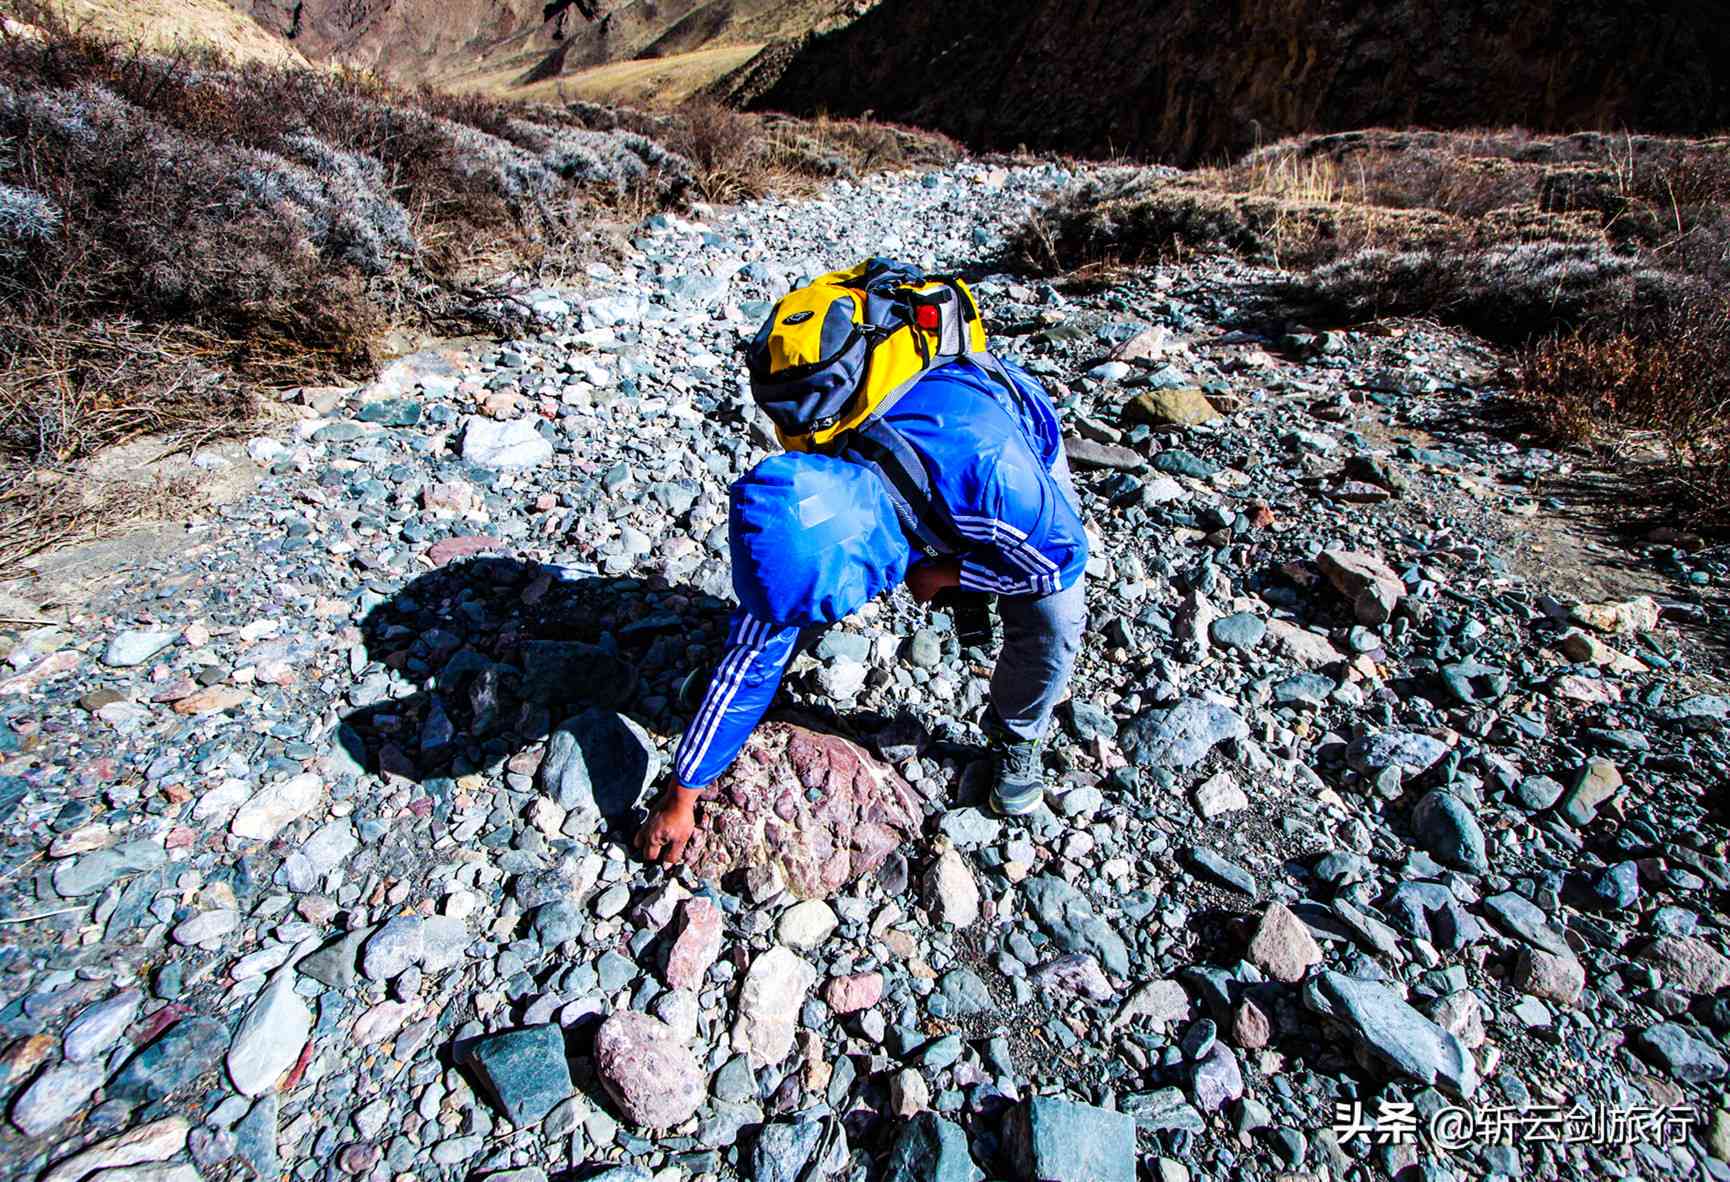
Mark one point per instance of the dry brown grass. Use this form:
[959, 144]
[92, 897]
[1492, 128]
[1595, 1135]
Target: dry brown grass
[1604, 259]
[45, 509]
[271, 225]
[1670, 378]
[739, 156]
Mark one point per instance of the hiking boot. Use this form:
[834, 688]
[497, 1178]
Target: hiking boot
[1018, 779]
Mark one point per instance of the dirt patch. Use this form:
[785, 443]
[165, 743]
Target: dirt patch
[149, 477]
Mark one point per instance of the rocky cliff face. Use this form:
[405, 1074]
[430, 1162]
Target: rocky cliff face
[1188, 80]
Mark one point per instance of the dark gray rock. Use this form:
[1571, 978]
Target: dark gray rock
[1682, 1056]
[1181, 736]
[1220, 870]
[1521, 917]
[597, 765]
[1241, 631]
[182, 1053]
[785, 1148]
[965, 993]
[255, 1138]
[1388, 1031]
[1446, 828]
[1069, 918]
[1058, 1140]
[337, 963]
[525, 1070]
[930, 1149]
[556, 922]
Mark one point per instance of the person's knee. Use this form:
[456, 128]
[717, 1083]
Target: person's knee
[1068, 630]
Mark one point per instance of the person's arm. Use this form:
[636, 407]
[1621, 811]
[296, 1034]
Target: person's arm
[741, 690]
[1031, 542]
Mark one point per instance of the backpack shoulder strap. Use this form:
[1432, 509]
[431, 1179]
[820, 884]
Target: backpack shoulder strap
[988, 363]
[884, 450]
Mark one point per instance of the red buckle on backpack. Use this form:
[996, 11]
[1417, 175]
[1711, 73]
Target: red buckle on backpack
[928, 317]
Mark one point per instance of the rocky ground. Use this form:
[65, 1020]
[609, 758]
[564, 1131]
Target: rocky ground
[1384, 818]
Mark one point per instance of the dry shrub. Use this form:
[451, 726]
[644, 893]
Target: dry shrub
[268, 224]
[71, 390]
[42, 509]
[273, 224]
[736, 156]
[720, 144]
[290, 215]
[1611, 252]
[1670, 376]
[1145, 218]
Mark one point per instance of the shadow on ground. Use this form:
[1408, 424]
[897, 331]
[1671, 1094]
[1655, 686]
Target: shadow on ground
[502, 653]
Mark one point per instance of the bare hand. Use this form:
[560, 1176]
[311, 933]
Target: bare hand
[932, 576]
[663, 836]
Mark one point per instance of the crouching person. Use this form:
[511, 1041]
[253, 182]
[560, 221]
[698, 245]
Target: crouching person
[962, 484]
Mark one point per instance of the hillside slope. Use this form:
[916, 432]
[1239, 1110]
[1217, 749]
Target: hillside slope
[1187, 81]
[508, 47]
[164, 26]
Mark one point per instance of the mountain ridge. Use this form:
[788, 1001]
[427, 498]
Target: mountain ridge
[1194, 82]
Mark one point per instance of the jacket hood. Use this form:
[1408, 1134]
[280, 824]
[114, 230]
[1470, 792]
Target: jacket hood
[813, 538]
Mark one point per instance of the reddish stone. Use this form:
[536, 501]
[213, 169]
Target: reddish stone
[175, 689]
[696, 946]
[451, 549]
[760, 812]
[859, 991]
[161, 1020]
[213, 700]
[655, 1081]
[357, 1158]
[1250, 1027]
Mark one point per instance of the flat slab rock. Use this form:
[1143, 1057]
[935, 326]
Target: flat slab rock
[761, 813]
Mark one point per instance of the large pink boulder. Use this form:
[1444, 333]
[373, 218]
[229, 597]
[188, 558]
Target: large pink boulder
[759, 812]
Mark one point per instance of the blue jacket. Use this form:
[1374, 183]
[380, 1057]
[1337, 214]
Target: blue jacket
[814, 538]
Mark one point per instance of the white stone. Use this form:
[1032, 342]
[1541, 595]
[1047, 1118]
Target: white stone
[1220, 795]
[207, 926]
[806, 925]
[951, 891]
[156, 1141]
[275, 805]
[769, 1004]
[513, 444]
[269, 1038]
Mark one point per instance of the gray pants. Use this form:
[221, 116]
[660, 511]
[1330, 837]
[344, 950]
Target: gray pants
[1041, 637]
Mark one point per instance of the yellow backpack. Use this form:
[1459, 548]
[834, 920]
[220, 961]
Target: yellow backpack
[841, 350]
